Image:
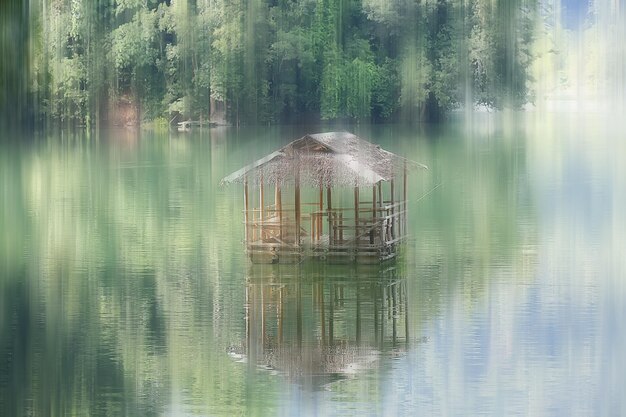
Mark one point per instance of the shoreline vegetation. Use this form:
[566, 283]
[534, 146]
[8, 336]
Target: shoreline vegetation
[73, 63]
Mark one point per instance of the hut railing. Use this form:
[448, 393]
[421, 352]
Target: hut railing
[384, 228]
[380, 226]
[272, 226]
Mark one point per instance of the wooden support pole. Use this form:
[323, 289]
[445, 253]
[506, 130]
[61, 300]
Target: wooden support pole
[406, 318]
[341, 226]
[281, 315]
[278, 205]
[372, 232]
[245, 210]
[388, 303]
[374, 201]
[329, 208]
[331, 315]
[394, 314]
[261, 209]
[297, 207]
[404, 213]
[264, 336]
[322, 313]
[393, 219]
[375, 291]
[358, 316]
[383, 307]
[319, 216]
[248, 317]
[299, 312]
[356, 214]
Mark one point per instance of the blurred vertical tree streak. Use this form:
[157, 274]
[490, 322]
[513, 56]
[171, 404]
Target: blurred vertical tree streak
[91, 63]
[15, 111]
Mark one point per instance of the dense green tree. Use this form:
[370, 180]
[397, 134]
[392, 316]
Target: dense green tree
[267, 61]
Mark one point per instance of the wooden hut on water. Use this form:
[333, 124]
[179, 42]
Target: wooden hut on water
[305, 216]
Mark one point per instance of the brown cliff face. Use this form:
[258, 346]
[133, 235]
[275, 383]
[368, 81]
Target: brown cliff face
[123, 111]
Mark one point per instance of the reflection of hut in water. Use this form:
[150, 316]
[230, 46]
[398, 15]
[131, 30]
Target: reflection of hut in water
[324, 323]
[313, 221]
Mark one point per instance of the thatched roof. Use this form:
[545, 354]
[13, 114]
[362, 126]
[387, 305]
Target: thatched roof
[328, 159]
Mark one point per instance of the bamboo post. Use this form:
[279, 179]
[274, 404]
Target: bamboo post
[329, 213]
[278, 203]
[261, 209]
[319, 215]
[394, 315]
[383, 235]
[341, 297]
[388, 302]
[248, 314]
[406, 317]
[372, 232]
[375, 292]
[322, 313]
[404, 213]
[263, 329]
[320, 225]
[358, 316]
[299, 312]
[383, 306]
[245, 210]
[331, 315]
[341, 226]
[393, 219]
[281, 313]
[297, 207]
[356, 214]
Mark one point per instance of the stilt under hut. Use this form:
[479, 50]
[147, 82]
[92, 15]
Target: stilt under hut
[308, 214]
[331, 324]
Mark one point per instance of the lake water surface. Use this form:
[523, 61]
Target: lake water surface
[124, 289]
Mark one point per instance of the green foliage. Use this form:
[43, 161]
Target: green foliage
[359, 86]
[332, 86]
[133, 41]
[416, 72]
[262, 61]
[385, 91]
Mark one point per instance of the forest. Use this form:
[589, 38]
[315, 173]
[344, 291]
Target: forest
[91, 63]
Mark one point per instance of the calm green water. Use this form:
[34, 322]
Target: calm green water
[124, 289]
